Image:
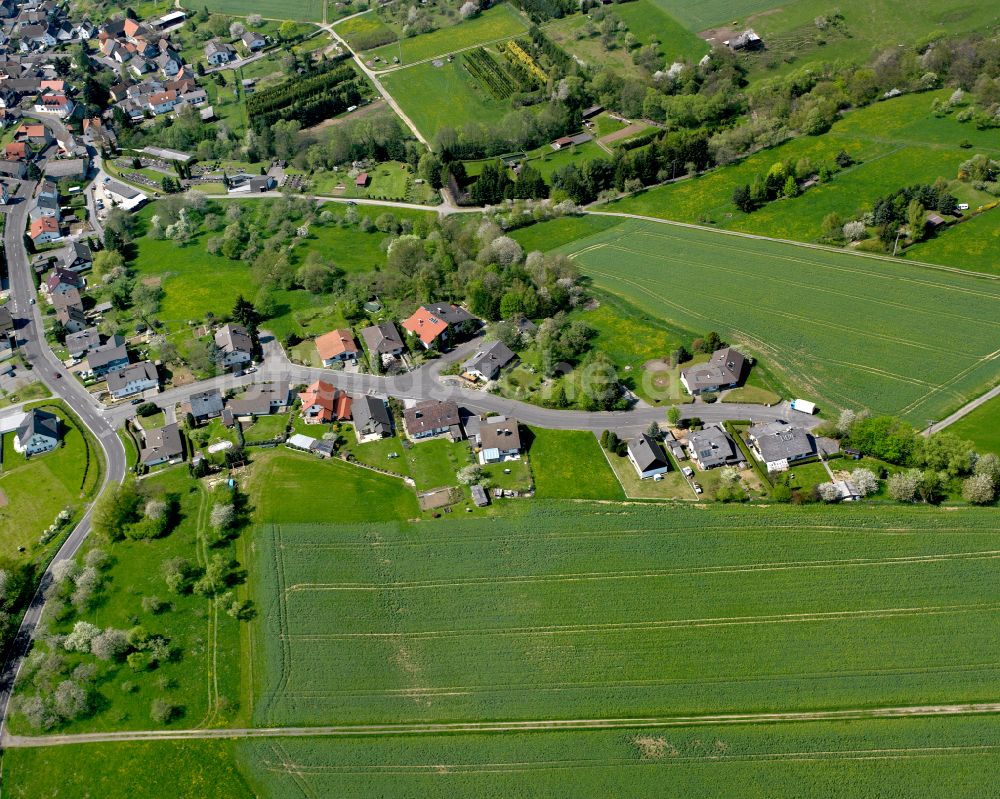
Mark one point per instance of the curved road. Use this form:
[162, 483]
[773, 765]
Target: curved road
[47, 368]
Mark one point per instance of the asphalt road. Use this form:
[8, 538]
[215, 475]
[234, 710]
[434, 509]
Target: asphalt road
[48, 369]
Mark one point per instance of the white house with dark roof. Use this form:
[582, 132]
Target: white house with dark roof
[486, 364]
[235, 346]
[162, 445]
[134, 379]
[37, 433]
[724, 370]
[372, 419]
[713, 447]
[206, 405]
[778, 445]
[647, 456]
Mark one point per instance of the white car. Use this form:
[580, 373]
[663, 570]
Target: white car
[687, 471]
[697, 488]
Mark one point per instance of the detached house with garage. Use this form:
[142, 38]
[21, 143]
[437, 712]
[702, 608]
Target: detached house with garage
[323, 403]
[436, 325]
[486, 364]
[162, 445]
[499, 440]
[372, 419]
[713, 447]
[724, 370]
[383, 341]
[218, 52]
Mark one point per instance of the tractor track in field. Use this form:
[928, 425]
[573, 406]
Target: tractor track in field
[528, 725]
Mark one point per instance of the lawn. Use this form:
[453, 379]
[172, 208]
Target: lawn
[545, 236]
[34, 491]
[298, 488]
[569, 464]
[838, 328]
[29, 391]
[194, 769]
[203, 675]
[699, 16]
[266, 427]
[433, 464]
[894, 143]
[982, 427]
[445, 96]
[304, 10]
[672, 486]
[499, 22]
[695, 610]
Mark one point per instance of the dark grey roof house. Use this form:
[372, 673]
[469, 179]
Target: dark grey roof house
[779, 444]
[383, 339]
[487, 363]
[206, 404]
[38, 432]
[371, 417]
[647, 456]
[723, 370]
[162, 445]
[432, 418]
[713, 447]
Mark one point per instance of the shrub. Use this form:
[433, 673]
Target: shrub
[163, 711]
[979, 489]
[903, 486]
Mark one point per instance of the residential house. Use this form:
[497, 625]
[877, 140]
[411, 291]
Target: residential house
[162, 445]
[260, 400]
[62, 281]
[44, 230]
[33, 133]
[723, 370]
[253, 41]
[647, 456]
[37, 433]
[218, 52]
[778, 444]
[17, 169]
[383, 341]
[205, 405]
[163, 102]
[713, 447]
[71, 317]
[108, 357]
[77, 257]
[436, 324]
[372, 418]
[55, 103]
[134, 379]
[432, 418]
[322, 403]
[337, 346]
[16, 151]
[499, 440]
[79, 344]
[235, 346]
[486, 363]
[45, 205]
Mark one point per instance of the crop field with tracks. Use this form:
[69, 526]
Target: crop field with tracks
[596, 611]
[845, 330]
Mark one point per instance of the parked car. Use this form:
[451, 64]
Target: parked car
[687, 471]
[697, 488]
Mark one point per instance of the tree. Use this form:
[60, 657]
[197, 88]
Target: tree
[470, 474]
[81, 638]
[989, 465]
[828, 492]
[979, 489]
[653, 431]
[673, 416]
[945, 452]
[162, 710]
[245, 314]
[903, 486]
[883, 437]
[223, 516]
[108, 264]
[743, 199]
[179, 574]
[109, 645]
[791, 187]
[915, 219]
[865, 481]
[611, 443]
[287, 30]
[116, 509]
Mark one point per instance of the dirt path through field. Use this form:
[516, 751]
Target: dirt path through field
[541, 725]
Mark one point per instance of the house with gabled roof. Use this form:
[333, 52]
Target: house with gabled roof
[37, 433]
[432, 418]
[724, 370]
[323, 403]
[234, 345]
[778, 444]
[372, 419]
[162, 445]
[499, 439]
[713, 447]
[383, 339]
[436, 323]
[647, 456]
[337, 346]
[486, 363]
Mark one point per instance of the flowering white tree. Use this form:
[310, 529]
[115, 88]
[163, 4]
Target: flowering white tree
[979, 490]
[865, 481]
[237, 29]
[828, 492]
[81, 638]
[469, 9]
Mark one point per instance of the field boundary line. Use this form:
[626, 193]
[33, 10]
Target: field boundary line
[9, 741]
[806, 245]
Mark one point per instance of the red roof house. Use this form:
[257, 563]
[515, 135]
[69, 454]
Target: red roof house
[425, 325]
[322, 404]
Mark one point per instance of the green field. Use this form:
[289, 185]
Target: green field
[701, 15]
[973, 245]
[445, 96]
[299, 10]
[549, 235]
[699, 610]
[844, 330]
[36, 490]
[499, 22]
[982, 427]
[191, 769]
[896, 143]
